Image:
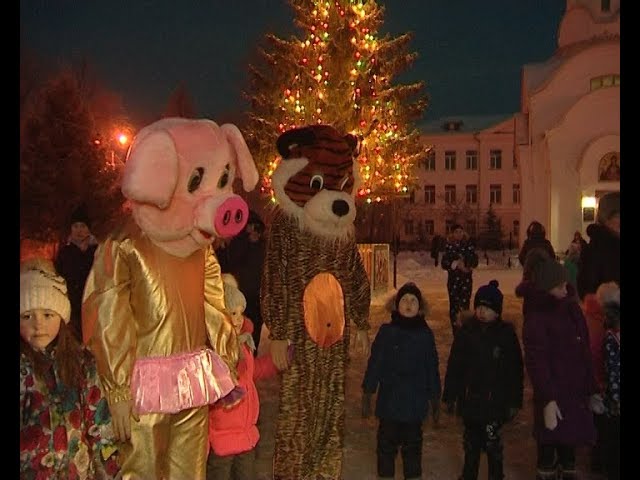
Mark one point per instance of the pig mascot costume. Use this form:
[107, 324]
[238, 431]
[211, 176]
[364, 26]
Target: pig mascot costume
[155, 295]
[314, 286]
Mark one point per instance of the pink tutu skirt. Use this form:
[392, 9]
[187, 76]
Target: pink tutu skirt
[182, 381]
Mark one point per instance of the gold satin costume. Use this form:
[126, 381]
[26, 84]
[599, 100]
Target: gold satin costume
[140, 301]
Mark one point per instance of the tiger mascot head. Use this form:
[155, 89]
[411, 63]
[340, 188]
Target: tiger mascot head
[317, 179]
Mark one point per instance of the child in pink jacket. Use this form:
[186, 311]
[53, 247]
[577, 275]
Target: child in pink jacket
[233, 434]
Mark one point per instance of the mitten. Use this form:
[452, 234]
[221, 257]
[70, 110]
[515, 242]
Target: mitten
[366, 404]
[596, 404]
[551, 415]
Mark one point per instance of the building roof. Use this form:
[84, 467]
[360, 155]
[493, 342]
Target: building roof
[465, 124]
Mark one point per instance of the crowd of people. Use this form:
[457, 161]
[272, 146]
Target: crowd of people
[570, 348]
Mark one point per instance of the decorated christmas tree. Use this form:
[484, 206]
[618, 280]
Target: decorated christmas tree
[339, 71]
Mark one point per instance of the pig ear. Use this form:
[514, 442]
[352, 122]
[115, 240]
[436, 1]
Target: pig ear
[246, 167]
[151, 171]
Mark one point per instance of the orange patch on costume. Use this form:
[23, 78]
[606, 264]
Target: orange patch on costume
[323, 304]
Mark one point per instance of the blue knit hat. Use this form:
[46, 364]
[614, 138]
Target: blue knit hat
[489, 296]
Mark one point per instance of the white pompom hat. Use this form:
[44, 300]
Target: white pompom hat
[40, 288]
[233, 297]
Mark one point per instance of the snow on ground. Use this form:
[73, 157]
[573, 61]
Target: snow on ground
[442, 447]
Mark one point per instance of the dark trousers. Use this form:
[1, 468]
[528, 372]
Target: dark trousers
[459, 289]
[232, 467]
[478, 437]
[556, 457]
[406, 436]
[611, 432]
[598, 450]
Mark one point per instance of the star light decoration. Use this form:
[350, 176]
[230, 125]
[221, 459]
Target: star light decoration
[372, 119]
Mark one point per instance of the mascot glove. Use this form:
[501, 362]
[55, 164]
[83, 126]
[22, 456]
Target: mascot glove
[551, 414]
[121, 414]
[596, 404]
[366, 404]
[363, 344]
[280, 353]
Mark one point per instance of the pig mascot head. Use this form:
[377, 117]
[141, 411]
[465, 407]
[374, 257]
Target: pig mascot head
[178, 179]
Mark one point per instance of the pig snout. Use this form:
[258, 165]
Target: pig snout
[230, 217]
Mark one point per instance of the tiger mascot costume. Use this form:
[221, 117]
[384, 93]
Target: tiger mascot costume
[313, 286]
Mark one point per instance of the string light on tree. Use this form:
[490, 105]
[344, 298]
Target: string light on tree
[336, 72]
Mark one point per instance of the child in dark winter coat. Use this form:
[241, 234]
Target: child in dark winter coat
[485, 367]
[403, 368]
[558, 360]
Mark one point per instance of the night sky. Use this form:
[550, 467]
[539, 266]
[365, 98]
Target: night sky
[471, 51]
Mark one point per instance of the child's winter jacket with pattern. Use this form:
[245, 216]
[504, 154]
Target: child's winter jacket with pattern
[64, 432]
[485, 367]
[464, 252]
[233, 430]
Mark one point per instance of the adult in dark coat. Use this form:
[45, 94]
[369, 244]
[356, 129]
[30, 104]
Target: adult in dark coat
[536, 238]
[74, 261]
[436, 247]
[243, 257]
[558, 361]
[600, 260]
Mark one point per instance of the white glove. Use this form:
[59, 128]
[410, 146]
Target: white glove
[596, 404]
[551, 415]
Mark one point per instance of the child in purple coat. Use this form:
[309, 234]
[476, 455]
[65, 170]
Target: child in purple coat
[558, 361]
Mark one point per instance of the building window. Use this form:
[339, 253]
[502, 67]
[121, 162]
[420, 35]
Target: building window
[472, 194]
[448, 226]
[472, 228]
[495, 159]
[449, 194]
[495, 194]
[430, 161]
[472, 159]
[429, 227]
[604, 81]
[516, 228]
[411, 198]
[450, 160]
[430, 194]
[408, 227]
[516, 194]
[605, 5]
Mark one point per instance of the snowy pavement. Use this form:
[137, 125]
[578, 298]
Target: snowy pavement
[442, 447]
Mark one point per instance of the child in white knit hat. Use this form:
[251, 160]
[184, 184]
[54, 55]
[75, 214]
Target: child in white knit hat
[65, 426]
[233, 434]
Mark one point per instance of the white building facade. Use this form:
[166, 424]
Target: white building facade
[558, 155]
[568, 130]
